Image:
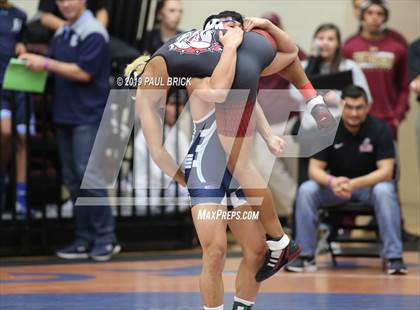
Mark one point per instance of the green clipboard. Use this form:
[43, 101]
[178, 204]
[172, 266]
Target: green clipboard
[19, 78]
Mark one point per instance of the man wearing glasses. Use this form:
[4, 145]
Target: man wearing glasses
[358, 166]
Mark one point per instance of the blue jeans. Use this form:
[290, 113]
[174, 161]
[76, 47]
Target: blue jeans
[94, 225]
[311, 196]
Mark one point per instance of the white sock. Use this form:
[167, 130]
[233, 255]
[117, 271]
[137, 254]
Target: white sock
[214, 308]
[243, 301]
[278, 245]
[314, 101]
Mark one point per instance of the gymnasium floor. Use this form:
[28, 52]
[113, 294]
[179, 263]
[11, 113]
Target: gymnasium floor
[168, 281]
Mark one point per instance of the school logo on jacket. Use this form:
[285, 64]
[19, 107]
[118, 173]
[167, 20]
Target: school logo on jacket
[196, 42]
[374, 59]
[17, 25]
[366, 146]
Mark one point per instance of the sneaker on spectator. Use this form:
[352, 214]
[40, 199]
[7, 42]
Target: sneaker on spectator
[73, 251]
[302, 264]
[104, 253]
[396, 266]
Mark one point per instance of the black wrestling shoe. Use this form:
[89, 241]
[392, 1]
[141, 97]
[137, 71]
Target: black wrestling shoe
[275, 260]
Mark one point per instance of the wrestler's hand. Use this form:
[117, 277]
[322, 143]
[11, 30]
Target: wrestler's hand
[180, 178]
[232, 37]
[276, 145]
[255, 22]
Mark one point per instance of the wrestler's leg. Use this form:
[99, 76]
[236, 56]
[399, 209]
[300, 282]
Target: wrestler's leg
[295, 74]
[150, 98]
[250, 236]
[212, 236]
[244, 171]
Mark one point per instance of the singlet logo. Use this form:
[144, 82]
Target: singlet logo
[196, 43]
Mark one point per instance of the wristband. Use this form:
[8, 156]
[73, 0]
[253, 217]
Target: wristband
[308, 91]
[46, 63]
[330, 179]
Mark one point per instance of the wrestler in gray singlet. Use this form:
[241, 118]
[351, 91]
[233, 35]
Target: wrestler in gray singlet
[208, 179]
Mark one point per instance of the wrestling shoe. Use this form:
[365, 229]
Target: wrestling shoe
[276, 259]
[323, 117]
[302, 264]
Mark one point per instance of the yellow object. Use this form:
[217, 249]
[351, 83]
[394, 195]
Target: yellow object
[137, 65]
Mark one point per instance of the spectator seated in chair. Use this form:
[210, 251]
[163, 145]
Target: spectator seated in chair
[358, 166]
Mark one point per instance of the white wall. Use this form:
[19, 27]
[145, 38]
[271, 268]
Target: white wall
[301, 17]
[29, 6]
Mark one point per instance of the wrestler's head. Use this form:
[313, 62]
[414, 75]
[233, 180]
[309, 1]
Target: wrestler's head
[224, 20]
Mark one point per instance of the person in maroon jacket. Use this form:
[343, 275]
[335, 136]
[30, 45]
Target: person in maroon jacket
[383, 59]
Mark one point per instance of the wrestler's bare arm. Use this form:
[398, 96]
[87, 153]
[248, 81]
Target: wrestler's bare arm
[216, 87]
[148, 101]
[263, 127]
[150, 98]
[274, 143]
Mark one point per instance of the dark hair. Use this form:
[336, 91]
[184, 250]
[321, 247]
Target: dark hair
[335, 64]
[354, 91]
[367, 3]
[159, 7]
[235, 15]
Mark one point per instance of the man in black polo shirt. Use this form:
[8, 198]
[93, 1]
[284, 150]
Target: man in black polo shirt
[358, 166]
